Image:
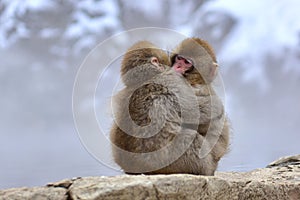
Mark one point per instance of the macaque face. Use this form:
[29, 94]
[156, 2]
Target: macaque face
[182, 64]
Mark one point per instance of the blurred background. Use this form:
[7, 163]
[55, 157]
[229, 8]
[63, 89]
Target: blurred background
[43, 43]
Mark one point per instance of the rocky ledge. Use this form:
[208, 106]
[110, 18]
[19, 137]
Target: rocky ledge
[279, 180]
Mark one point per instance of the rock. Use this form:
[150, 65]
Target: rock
[285, 161]
[280, 181]
[179, 186]
[37, 193]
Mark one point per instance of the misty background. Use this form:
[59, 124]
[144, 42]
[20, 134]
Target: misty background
[43, 44]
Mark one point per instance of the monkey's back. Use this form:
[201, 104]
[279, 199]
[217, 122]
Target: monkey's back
[161, 107]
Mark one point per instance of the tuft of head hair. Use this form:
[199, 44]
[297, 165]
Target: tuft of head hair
[140, 53]
[202, 56]
[193, 48]
[207, 47]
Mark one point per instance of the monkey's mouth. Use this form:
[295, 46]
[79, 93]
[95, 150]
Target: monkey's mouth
[182, 69]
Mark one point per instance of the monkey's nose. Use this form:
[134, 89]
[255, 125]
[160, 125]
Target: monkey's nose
[179, 68]
[181, 62]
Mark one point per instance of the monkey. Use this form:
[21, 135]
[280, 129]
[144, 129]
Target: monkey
[165, 96]
[200, 76]
[141, 62]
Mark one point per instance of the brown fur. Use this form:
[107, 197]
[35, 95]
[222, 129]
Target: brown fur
[138, 55]
[161, 126]
[203, 57]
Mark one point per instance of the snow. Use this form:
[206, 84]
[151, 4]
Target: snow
[262, 25]
[37, 5]
[105, 16]
[153, 8]
[16, 9]
[263, 28]
[19, 7]
[49, 32]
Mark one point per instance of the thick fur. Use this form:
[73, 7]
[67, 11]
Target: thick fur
[203, 57]
[216, 129]
[162, 124]
[132, 69]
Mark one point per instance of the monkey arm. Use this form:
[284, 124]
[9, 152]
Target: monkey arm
[152, 108]
[168, 100]
[210, 105]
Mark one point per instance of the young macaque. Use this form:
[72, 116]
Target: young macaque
[196, 61]
[199, 59]
[159, 120]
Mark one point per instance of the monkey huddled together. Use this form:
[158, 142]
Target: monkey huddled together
[168, 119]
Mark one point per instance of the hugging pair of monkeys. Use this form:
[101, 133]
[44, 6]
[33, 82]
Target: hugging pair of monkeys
[168, 119]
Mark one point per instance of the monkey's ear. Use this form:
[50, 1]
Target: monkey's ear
[154, 61]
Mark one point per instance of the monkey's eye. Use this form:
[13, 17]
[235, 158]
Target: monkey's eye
[186, 61]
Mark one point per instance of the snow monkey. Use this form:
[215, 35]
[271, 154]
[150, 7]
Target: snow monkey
[162, 114]
[198, 54]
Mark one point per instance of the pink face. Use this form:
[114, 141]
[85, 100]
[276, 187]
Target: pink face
[181, 64]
